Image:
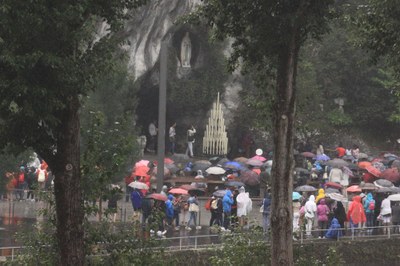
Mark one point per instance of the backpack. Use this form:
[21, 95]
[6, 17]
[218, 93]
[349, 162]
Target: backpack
[371, 205]
[214, 204]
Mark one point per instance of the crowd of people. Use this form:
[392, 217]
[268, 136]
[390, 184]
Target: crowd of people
[31, 176]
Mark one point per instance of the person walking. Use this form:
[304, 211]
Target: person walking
[193, 210]
[369, 208]
[322, 216]
[216, 211]
[172, 138]
[310, 209]
[244, 207]
[227, 202]
[356, 214]
[386, 214]
[190, 140]
[266, 209]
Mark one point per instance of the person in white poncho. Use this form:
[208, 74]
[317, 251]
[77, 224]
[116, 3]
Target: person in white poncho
[310, 210]
[244, 206]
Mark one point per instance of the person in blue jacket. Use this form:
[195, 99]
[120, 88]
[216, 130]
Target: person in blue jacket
[227, 202]
[369, 208]
[335, 230]
[169, 209]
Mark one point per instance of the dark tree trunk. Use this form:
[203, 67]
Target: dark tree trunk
[282, 170]
[68, 194]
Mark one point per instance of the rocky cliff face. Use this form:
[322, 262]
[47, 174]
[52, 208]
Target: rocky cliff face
[150, 25]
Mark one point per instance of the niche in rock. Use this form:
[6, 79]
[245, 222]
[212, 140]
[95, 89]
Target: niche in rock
[186, 45]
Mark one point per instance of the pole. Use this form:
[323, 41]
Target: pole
[162, 114]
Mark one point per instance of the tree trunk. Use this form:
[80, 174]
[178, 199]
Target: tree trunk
[282, 170]
[68, 194]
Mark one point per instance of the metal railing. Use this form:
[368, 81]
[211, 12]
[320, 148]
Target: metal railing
[197, 242]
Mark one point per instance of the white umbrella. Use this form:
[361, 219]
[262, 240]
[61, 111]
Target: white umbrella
[138, 185]
[394, 197]
[337, 197]
[215, 170]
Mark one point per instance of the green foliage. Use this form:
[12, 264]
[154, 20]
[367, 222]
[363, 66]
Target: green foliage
[339, 119]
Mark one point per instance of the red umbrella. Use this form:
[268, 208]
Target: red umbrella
[187, 187]
[308, 154]
[178, 191]
[368, 178]
[158, 196]
[168, 161]
[373, 171]
[364, 164]
[250, 178]
[354, 188]
[391, 174]
[334, 185]
[141, 170]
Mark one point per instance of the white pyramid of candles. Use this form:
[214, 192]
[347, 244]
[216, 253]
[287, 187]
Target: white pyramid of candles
[215, 140]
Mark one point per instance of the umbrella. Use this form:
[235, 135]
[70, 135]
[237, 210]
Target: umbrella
[158, 196]
[395, 163]
[141, 171]
[214, 160]
[234, 184]
[196, 191]
[200, 166]
[222, 161]
[391, 174]
[337, 162]
[187, 187]
[241, 159]
[250, 178]
[354, 188]
[388, 190]
[331, 190]
[168, 161]
[305, 188]
[296, 195]
[348, 157]
[203, 162]
[346, 170]
[383, 183]
[142, 163]
[178, 191]
[362, 156]
[394, 197]
[172, 168]
[373, 171]
[337, 197]
[301, 170]
[379, 165]
[219, 193]
[259, 157]
[233, 165]
[138, 185]
[333, 185]
[179, 158]
[363, 165]
[254, 162]
[322, 157]
[368, 186]
[308, 154]
[215, 170]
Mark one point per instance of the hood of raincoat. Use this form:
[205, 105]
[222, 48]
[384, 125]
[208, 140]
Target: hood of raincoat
[357, 199]
[311, 198]
[369, 196]
[170, 197]
[321, 195]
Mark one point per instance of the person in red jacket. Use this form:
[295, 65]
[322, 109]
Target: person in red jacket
[356, 214]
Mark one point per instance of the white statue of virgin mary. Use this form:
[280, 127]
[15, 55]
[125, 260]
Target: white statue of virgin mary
[186, 51]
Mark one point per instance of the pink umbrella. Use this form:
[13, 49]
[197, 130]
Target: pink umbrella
[254, 162]
[259, 157]
[168, 161]
[178, 191]
[187, 187]
[354, 188]
[142, 163]
[141, 171]
[158, 196]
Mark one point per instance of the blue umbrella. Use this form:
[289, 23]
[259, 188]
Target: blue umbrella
[296, 195]
[322, 157]
[233, 165]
